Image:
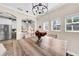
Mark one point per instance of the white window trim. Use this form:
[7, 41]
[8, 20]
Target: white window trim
[72, 16]
[52, 25]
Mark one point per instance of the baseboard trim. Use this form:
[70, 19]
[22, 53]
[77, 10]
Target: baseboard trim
[72, 53]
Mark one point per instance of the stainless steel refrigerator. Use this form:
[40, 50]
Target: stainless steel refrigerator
[5, 32]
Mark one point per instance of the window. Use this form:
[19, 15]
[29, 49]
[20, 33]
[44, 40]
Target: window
[72, 24]
[45, 26]
[55, 25]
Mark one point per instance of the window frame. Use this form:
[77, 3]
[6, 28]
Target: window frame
[52, 21]
[72, 17]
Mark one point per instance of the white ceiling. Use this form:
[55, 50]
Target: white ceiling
[24, 6]
[28, 6]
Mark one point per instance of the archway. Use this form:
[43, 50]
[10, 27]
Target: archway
[28, 27]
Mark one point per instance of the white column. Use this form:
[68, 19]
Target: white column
[18, 29]
[35, 24]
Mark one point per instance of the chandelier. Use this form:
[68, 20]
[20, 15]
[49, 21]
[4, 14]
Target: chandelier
[39, 8]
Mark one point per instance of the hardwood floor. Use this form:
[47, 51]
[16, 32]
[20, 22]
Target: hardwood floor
[26, 47]
[37, 47]
[17, 49]
[30, 48]
[8, 44]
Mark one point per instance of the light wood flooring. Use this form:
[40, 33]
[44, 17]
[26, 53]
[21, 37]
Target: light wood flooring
[25, 47]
